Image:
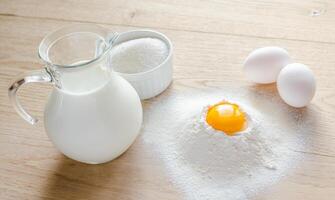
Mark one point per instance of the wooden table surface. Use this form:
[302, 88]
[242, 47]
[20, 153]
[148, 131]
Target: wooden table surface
[211, 39]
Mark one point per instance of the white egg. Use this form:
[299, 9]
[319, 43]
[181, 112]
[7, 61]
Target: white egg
[296, 85]
[264, 64]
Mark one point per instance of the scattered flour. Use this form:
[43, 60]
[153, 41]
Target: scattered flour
[138, 55]
[206, 164]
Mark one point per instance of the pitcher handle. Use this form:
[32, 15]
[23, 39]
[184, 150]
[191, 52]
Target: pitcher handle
[36, 76]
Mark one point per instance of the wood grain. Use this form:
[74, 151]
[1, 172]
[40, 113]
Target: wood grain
[310, 20]
[211, 40]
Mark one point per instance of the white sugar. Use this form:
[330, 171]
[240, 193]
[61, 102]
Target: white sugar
[138, 55]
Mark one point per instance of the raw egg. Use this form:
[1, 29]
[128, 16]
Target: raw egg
[264, 64]
[296, 85]
[226, 117]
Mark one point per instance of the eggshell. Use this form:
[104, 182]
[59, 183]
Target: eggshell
[264, 64]
[296, 85]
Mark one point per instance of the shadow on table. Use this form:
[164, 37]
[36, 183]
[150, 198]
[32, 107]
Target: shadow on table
[73, 180]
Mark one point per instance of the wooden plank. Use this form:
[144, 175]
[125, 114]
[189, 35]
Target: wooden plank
[286, 19]
[31, 168]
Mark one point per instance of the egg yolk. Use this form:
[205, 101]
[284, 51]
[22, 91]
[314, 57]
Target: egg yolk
[226, 117]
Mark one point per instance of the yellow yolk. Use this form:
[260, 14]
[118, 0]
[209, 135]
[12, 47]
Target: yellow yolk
[226, 117]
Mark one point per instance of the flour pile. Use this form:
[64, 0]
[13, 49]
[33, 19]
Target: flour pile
[138, 55]
[207, 164]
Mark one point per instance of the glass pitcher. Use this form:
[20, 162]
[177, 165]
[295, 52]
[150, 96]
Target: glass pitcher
[92, 115]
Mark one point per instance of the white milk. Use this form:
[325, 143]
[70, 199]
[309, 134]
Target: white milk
[95, 117]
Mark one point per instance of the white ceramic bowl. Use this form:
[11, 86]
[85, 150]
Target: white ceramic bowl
[154, 81]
